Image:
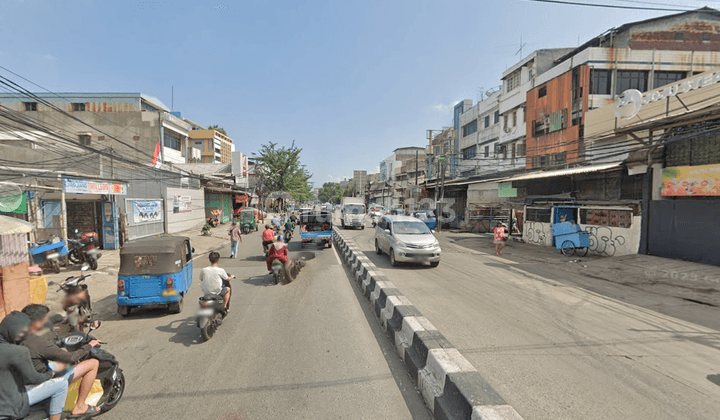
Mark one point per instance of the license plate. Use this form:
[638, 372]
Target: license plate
[53, 255]
[170, 292]
[91, 251]
[206, 312]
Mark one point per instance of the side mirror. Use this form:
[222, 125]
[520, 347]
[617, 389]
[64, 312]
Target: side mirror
[193, 250]
[387, 231]
[433, 231]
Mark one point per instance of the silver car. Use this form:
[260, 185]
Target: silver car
[406, 239]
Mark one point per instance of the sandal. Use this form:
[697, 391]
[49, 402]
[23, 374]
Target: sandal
[90, 412]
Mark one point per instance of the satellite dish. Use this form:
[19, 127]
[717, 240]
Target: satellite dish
[628, 104]
[10, 197]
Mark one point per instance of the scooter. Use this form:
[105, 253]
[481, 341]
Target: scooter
[84, 249]
[288, 235]
[211, 314]
[76, 302]
[109, 374]
[206, 230]
[281, 272]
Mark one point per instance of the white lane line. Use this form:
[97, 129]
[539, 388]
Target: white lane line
[337, 257]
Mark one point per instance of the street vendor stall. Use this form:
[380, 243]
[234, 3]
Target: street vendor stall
[14, 256]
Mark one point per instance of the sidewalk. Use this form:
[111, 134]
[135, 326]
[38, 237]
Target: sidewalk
[103, 282]
[648, 277]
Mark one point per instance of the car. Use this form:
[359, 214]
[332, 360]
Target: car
[406, 239]
[427, 217]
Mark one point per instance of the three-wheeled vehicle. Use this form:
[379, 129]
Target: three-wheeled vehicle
[248, 220]
[154, 272]
[316, 227]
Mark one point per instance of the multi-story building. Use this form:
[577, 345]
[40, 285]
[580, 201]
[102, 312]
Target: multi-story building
[479, 146]
[640, 55]
[214, 146]
[360, 180]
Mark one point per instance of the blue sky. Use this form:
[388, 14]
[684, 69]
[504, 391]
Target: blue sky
[349, 81]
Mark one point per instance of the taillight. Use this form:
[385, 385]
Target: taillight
[169, 283]
[121, 285]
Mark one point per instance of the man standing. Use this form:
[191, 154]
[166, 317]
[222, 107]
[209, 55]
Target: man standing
[20, 384]
[215, 281]
[47, 357]
[235, 236]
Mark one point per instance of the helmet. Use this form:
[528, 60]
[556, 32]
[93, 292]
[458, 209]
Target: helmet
[280, 238]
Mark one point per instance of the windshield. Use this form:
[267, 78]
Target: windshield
[354, 208]
[410, 228]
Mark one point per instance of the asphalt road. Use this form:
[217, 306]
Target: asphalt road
[555, 350]
[308, 350]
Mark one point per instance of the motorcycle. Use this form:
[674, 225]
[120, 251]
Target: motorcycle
[76, 303]
[84, 249]
[211, 314]
[282, 273]
[110, 376]
[48, 254]
[288, 235]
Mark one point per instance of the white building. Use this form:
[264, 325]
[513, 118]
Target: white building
[480, 136]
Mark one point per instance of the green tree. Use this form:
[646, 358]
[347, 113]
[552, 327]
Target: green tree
[279, 169]
[218, 129]
[331, 192]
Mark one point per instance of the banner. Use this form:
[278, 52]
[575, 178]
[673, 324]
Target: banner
[84, 186]
[699, 181]
[145, 211]
[182, 204]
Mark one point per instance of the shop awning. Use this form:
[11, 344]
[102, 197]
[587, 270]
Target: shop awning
[223, 190]
[563, 172]
[11, 225]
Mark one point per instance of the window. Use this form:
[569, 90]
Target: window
[469, 152]
[543, 160]
[514, 118]
[521, 149]
[600, 82]
[487, 121]
[469, 128]
[559, 158]
[171, 141]
[604, 217]
[513, 148]
[505, 121]
[679, 36]
[631, 79]
[538, 215]
[78, 106]
[487, 151]
[524, 113]
[662, 78]
[497, 117]
[512, 82]
[503, 151]
[706, 37]
[542, 91]
[84, 139]
[30, 106]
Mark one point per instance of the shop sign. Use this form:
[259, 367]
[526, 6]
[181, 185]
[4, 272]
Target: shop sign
[701, 181]
[84, 186]
[145, 211]
[506, 190]
[182, 204]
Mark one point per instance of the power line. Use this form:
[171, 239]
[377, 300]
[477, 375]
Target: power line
[610, 6]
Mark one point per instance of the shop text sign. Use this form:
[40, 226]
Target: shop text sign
[84, 186]
[703, 180]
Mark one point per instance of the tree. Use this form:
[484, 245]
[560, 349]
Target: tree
[279, 169]
[331, 192]
[218, 129]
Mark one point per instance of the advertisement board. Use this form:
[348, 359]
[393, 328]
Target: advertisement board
[182, 204]
[145, 211]
[84, 186]
[701, 181]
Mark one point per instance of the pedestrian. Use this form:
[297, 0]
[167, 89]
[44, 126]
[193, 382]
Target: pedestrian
[499, 238]
[235, 236]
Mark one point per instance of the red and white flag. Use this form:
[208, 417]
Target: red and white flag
[157, 161]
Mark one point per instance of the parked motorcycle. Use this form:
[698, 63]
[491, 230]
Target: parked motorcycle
[211, 314]
[76, 302]
[84, 249]
[48, 254]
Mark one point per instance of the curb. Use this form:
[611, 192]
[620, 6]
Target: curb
[451, 387]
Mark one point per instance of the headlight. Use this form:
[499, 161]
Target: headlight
[436, 243]
[401, 244]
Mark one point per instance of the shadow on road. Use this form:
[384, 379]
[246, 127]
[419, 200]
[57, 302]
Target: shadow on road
[264, 280]
[185, 331]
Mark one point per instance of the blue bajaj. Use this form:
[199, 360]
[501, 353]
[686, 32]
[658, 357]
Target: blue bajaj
[154, 272]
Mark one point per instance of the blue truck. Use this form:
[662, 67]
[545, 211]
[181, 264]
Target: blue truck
[316, 228]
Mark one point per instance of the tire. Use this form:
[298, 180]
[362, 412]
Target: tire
[55, 266]
[208, 330]
[374, 224]
[114, 394]
[377, 248]
[330, 244]
[176, 307]
[123, 311]
[74, 257]
[581, 252]
[434, 264]
[93, 263]
[393, 262]
[362, 227]
[567, 248]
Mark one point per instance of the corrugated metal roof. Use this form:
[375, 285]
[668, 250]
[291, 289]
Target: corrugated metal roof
[563, 172]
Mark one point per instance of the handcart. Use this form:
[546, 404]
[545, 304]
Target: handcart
[48, 254]
[570, 239]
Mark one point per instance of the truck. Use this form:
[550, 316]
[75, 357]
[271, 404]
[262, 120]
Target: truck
[352, 212]
[316, 228]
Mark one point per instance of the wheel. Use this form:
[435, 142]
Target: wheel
[209, 329]
[374, 224]
[55, 266]
[330, 244]
[362, 227]
[176, 307]
[277, 277]
[288, 274]
[123, 311]
[115, 393]
[377, 248]
[392, 258]
[567, 248]
[93, 263]
[581, 252]
[434, 264]
[74, 256]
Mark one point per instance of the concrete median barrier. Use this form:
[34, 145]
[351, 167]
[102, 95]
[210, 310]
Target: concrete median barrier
[451, 387]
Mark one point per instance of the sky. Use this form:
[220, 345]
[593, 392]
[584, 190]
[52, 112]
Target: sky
[347, 81]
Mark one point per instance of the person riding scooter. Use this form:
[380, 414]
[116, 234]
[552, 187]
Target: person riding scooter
[289, 227]
[216, 281]
[268, 236]
[279, 251]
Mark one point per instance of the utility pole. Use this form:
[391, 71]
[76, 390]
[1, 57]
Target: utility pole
[442, 195]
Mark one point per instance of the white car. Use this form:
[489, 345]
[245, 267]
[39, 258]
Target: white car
[406, 239]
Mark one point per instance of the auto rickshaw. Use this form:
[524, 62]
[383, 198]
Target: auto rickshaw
[248, 220]
[154, 272]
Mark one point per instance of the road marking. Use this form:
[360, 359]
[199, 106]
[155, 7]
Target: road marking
[337, 257]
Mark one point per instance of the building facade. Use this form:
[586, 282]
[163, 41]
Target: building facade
[214, 146]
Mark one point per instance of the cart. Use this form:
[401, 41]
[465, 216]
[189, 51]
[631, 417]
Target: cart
[570, 239]
[48, 254]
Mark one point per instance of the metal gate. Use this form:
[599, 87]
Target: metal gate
[139, 224]
[685, 229]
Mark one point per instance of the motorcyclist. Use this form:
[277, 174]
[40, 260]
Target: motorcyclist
[207, 227]
[215, 280]
[289, 227]
[278, 250]
[268, 236]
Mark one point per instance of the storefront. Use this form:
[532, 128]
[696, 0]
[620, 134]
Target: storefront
[90, 208]
[219, 200]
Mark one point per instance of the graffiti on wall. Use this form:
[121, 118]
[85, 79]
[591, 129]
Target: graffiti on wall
[603, 241]
[534, 233]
